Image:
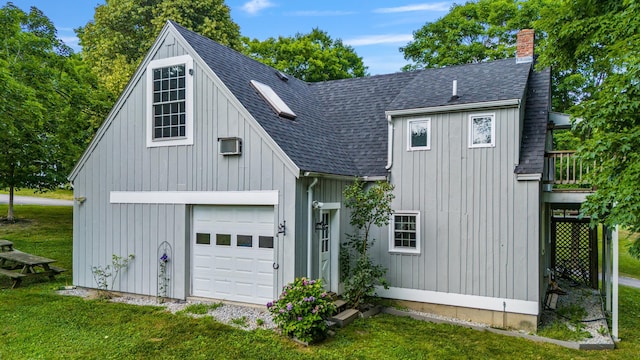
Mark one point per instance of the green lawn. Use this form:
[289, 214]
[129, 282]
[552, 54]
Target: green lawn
[37, 323]
[62, 194]
[628, 265]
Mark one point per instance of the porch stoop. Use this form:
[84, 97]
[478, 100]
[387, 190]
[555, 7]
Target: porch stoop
[343, 316]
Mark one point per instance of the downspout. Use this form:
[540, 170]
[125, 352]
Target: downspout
[310, 225]
[389, 143]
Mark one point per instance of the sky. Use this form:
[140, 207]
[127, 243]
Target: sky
[376, 29]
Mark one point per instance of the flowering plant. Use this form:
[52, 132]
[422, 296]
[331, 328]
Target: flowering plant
[301, 309]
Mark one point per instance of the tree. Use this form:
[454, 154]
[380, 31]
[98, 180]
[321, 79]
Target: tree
[122, 31]
[309, 57]
[42, 125]
[369, 206]
[599, 42]
[486, 30]
[477, 31]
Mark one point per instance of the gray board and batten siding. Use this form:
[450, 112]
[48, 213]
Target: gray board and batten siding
[119, 160]
[479, 225]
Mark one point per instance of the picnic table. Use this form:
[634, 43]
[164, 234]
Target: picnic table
[5, 245]
[18, 265]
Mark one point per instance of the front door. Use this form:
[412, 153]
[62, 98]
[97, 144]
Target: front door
[325, 250]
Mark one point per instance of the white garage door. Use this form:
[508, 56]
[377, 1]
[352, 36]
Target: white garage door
[233, 253]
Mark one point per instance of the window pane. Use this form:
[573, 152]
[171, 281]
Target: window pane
[245, 240]
[168, 90]
[405, 231]
[481, 130]
[223, 239]
[203, 239]
[419, 133]
[265, 242]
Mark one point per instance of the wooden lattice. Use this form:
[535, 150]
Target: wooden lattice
[574, 251]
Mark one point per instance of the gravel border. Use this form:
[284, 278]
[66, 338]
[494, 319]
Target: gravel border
[238, 316]
[232, 313]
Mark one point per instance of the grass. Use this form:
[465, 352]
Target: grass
[38, 323]
[200, 308]
[628, 265]
[62, 194]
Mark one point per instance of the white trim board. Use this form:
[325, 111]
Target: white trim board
[468, 301]
[455, 107]
[269, 197]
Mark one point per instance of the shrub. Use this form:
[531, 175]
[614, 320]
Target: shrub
[301, 309]
[369, 206]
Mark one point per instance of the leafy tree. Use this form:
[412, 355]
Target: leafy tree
[310, 57]
[42, 124]
[477, 31]
[122, 31]
[369, 206]
[599, 42]
[486, 30]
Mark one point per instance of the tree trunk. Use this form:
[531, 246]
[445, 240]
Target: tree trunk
[10, 212]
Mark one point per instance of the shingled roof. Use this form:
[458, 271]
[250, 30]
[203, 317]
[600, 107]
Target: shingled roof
[340, 126]
[536, 116]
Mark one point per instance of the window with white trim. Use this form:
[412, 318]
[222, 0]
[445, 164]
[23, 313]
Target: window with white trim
[419, 134]
[482, 130]
[405, 232]
[169, 102]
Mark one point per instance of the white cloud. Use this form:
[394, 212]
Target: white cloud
[384, 64]
[441, 6]
[320, 13]
[255, 6]
[379, 39]
[69, 40]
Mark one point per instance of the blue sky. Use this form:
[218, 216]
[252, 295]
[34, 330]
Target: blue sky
[375, 28]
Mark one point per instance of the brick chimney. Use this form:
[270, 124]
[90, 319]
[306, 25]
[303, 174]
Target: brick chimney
[524, 46]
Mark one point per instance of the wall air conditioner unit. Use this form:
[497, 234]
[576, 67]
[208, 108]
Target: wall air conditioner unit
[230, 146]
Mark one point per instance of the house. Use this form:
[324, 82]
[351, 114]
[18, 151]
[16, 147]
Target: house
[234, 171]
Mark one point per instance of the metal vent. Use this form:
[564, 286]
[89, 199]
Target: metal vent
[230, 146]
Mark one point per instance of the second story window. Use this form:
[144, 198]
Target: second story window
[169, 115]
[482, 130]
[169, 102]
[419, 134]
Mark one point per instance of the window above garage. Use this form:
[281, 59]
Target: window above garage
[169, 102]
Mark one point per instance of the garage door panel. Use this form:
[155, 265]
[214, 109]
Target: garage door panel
[240, 271]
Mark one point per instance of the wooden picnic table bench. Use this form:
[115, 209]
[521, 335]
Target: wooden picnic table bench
[18, 265]
[5, 245]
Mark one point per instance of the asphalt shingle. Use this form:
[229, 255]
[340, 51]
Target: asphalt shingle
[341, 126]
[532, 145]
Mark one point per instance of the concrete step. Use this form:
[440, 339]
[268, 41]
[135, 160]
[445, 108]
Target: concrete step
[345, 317]
[339, 304]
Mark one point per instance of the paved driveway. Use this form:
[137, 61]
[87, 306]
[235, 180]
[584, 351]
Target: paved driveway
[30, 200]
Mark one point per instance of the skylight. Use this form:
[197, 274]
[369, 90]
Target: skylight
[274, 100]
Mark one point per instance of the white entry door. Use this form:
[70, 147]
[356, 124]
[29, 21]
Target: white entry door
[233, 254]
[325, 250]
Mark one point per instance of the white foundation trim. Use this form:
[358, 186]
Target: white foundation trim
[468, 301]
[269, 197]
